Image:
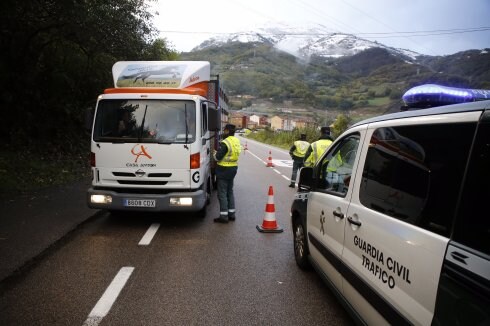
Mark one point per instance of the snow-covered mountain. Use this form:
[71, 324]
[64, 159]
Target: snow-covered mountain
[305, 42]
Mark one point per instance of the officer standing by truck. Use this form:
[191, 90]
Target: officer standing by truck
[318, 147]
[297, 153]
[227, 167]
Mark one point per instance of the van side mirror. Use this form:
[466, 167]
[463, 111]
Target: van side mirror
[305, 179]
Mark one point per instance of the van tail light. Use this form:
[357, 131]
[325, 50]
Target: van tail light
[196, 161]
[92, 159]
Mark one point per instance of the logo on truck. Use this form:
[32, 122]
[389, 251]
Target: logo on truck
[142, 152]
[193, 79]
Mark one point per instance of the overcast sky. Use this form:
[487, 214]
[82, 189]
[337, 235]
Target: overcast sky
[444, 23]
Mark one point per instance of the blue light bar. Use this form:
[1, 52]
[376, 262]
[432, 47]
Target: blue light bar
[431, 95]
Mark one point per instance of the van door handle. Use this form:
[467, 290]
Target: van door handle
[459, 257]
[337, 214]
[352, 221]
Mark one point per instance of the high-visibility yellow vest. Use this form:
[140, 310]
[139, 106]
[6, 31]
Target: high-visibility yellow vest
[301, 146]
[335, 162]
[234, 149]
[317, 149]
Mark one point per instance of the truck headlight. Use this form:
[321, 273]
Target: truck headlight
[100, 199]
[181, 201]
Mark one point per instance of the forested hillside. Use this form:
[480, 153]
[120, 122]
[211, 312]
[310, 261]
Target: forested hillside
[372, 80]
[56, 58]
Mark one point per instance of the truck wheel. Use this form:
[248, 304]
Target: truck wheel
[214, 181]
[202, 212]
[300, 245]
[208, 193]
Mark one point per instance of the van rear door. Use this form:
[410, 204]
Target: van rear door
[464, 290]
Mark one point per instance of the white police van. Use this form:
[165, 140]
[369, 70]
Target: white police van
[395, 215]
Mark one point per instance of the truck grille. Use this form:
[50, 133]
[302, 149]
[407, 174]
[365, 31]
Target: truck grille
[142, 183]
[150, 175]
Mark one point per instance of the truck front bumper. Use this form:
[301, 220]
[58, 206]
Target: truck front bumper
[127, 201]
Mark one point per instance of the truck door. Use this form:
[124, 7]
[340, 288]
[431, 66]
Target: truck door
[327, 206]
[206, 147]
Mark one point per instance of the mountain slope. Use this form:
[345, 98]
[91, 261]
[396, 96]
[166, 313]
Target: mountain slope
[305, 42]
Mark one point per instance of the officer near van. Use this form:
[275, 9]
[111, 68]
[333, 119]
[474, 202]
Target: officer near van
[226, 170]
[297, 153]
[318, 147]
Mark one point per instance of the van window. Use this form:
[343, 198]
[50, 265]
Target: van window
[414, 173]
[335, 168]
[472, 223]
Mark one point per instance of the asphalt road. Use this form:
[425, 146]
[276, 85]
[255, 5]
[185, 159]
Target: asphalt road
[63, 264]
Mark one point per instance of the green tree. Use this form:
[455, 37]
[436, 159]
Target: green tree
[159, 50]
[340, 125]
[57, 56]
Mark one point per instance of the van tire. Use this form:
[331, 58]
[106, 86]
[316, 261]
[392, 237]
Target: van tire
[300, 242]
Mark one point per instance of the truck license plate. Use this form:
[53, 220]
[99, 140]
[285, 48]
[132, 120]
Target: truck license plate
[139, 203]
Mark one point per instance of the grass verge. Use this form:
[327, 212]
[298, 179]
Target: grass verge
[29, 170]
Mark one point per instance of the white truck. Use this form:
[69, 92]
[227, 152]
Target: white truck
[153, 136]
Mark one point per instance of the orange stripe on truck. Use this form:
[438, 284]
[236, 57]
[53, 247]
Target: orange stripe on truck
[196, 89]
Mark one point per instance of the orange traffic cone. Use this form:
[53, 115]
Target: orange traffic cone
[269, 161]
[269, 224]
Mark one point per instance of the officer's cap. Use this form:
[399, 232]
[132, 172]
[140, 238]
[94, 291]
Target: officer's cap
[325, 130]
[230, 127]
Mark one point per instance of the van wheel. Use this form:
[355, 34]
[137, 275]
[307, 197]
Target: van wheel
[300, 245]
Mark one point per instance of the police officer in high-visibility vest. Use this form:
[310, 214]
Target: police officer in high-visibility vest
[297, 153]
[318, 147]
[227, 160]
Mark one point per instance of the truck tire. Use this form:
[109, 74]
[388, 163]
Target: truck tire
[202, 212]
[208, 192]
[214, 181]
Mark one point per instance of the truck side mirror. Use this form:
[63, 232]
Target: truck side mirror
[305, 179]
[213, 119]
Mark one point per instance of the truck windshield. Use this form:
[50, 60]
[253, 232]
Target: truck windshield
[152, 121]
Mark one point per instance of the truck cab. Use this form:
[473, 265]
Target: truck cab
[153, 135]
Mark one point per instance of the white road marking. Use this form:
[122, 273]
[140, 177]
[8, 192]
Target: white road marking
[110, 295]
[150, 233]
[256, 156]
[286, 163]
